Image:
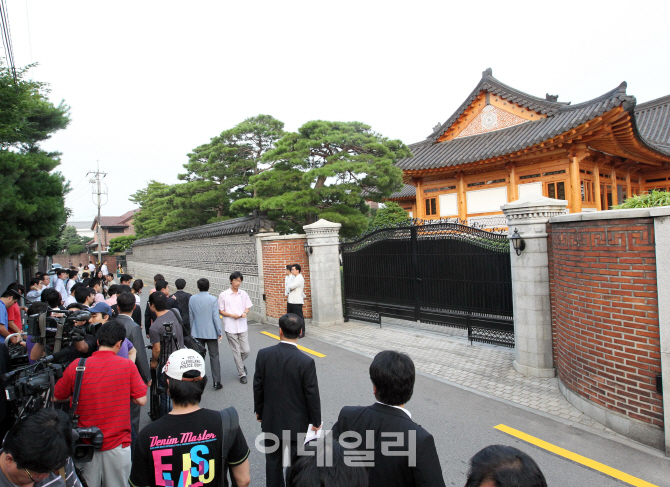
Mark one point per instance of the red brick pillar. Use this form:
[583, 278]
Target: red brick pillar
[278, 251]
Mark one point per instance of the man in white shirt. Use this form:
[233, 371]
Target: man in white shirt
[104, 269]
[59, 285]
[296, 295]
[288, 280]
[234, 304]
[91, 267]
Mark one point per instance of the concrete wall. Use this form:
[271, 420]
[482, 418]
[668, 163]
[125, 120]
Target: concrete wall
[211, 251]
[605, 318]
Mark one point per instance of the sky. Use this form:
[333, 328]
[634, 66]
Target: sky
[149, 81]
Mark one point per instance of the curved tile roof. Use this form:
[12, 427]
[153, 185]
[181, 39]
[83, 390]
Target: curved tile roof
[560, 118]
[547, 106]
[408, 191]
[653, 121]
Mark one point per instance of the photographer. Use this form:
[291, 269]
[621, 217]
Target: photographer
[25, 462]
[109, 385]
[157, 334]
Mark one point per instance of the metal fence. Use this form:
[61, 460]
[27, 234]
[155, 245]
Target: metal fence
[440, 272]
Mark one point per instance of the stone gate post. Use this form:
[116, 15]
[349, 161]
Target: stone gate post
[324, 264]
[530, 284]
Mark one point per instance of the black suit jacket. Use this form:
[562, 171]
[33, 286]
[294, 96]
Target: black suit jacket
[286, 390]
[182, 299]
[390, 471]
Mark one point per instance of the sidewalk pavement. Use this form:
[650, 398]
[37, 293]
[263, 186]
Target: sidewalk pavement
[446, 353]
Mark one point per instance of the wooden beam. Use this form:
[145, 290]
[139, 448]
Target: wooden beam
[615, 193]
[596, 182]
[462, 202]
[512, 185]
[420, 204]
[575, 189]
[629, 189]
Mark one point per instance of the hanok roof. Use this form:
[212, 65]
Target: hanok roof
[653, 121]
[560, 118]
[407, 192]
[227, 227]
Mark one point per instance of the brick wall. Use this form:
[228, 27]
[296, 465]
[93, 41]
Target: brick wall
[605, 313]
[278, 252]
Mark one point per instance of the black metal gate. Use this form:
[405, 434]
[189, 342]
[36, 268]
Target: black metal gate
[440, 272]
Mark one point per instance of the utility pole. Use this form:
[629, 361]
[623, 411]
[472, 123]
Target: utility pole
[95, 180]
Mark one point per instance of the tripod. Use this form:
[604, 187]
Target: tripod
[160, 402]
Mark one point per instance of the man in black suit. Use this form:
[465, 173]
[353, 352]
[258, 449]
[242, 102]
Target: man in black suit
[286, 396]
[404, 452]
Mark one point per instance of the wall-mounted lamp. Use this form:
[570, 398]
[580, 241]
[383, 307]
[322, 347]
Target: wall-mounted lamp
[252, 232]
[517, 242]
[308, 249]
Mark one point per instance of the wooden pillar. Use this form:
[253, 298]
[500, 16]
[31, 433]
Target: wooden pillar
[420, 204]
[512, 186]
[462, 202]
[575, 188]
[615, 193]
[640, 183]
[596, 182]
[629, 188]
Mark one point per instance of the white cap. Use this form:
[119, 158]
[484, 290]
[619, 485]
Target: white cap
[183, 361]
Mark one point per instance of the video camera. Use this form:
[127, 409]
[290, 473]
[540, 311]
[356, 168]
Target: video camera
[56, 328]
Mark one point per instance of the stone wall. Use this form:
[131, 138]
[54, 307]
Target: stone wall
[606, 337]
[211, 251]
[278, 252]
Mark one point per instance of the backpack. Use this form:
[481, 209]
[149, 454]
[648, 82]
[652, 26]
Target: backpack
[189, 341]
[230, 424]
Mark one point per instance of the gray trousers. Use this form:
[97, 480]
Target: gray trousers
[110, 468]
[213, 350]
[239, 344]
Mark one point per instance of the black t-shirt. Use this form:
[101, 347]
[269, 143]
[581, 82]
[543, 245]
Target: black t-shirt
[178, 443]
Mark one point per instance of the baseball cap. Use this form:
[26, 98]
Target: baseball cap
[101, 308]
[183, 361]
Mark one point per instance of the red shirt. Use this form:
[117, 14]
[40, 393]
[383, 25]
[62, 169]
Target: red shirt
[104, 401]
[14, 314]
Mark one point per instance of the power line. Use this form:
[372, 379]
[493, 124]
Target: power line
[96, 181]
[7, 40]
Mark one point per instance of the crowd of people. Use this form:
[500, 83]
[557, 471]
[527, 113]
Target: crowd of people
[110, 372]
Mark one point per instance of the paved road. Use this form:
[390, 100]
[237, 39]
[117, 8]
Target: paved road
[461, 422]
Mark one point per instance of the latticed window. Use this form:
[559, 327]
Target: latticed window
[431, 206]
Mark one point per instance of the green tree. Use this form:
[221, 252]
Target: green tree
[33, 194]
[160, 212]
[391, 214]
[323, 171]
[122, 243]
[76, 249]
[71, 241]
[218, 172]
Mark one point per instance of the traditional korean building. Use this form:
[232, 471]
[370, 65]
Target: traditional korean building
[502, 144]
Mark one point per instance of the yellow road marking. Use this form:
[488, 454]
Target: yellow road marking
[612, 472]
[316, 354]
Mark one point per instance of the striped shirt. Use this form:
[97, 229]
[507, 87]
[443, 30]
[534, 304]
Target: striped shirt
[104, 401]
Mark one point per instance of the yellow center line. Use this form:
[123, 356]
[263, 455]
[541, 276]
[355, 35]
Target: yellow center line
[612, 472]
[316, 354]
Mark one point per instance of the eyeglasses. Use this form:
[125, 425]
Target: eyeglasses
[41, 476]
